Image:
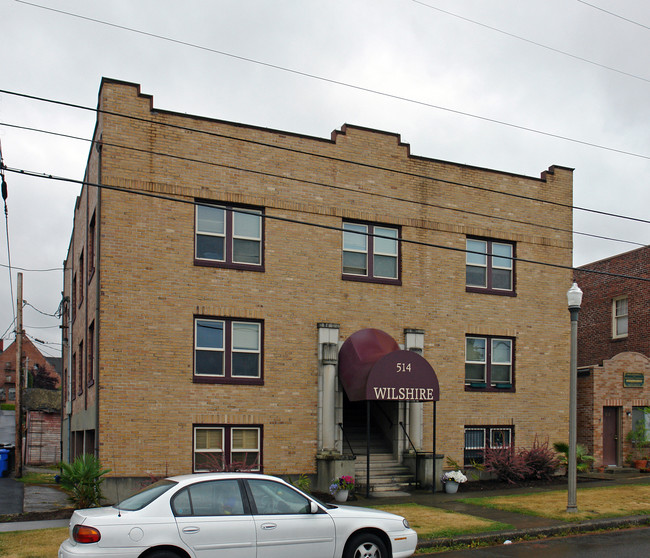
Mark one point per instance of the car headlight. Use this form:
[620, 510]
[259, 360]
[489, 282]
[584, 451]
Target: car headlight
[406, 523]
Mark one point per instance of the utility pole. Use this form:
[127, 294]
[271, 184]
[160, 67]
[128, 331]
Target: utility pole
[19, 376]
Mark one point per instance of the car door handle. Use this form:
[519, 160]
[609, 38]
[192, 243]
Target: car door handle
[190, 530]
[269, 526]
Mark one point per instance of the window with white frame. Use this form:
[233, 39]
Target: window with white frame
[478, 438]
[619, 317]
[228, 236]
[227, 448]
[489, 362]
[489, 266]
[371, 253]
[227, 350]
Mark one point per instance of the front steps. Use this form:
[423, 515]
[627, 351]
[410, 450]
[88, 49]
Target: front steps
[387, 476]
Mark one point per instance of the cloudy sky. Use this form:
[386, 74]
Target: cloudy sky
[505, 84]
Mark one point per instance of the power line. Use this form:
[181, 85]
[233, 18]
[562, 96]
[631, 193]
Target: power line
[5, 195]
[541, 45]
[331, 158]
[7, 330]
[613, 14]
[40, 311]
[345, 84]
[292, 150]
[192, 202]
[44, 270]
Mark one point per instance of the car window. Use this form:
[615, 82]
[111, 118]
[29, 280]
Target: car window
[145, 496]
[221, 497]
[272, 498]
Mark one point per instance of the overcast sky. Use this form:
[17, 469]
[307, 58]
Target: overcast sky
[510, 85]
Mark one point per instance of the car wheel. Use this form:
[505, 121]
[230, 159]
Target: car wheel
[365, 545]
[163, 554]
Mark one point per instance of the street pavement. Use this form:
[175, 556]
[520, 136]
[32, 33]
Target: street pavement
[16, 498]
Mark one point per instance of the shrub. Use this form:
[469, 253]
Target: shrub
[82, 479]
[583, 459]
[507, 464]
[541, 460]
[303, 482]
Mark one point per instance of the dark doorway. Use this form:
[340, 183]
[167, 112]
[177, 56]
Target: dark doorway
[383, 417]
[611, 419]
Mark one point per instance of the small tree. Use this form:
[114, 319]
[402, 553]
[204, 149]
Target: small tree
[82, 479]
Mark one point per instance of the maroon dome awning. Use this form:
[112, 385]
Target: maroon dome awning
[372, 367]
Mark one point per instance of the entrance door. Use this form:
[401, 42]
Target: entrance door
[610, 436]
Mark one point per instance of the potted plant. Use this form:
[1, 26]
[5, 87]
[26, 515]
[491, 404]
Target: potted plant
[451, 480]
[341, 487]
[638, 436]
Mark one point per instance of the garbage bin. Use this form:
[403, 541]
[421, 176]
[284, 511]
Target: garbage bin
[4, 462]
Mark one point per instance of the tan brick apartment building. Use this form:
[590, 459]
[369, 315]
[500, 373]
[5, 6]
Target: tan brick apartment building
[206, 315]
[614, 355]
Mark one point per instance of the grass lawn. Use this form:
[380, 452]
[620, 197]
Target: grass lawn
[432, 523]
[42, 476]
[611, 501]
[43, 543]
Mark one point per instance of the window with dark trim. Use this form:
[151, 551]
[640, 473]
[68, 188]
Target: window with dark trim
[228, 350]
[371, 253]
[489, 363]
[73, 297]
[73, 376]
[227, 447]
[91, 248]
[81, 276]
[227, 236]
[91, 354]
[478, 438]
[619, 317]
[489, 266]
[80, 383]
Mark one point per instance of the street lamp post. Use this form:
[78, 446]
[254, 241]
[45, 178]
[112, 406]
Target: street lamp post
[574, 297]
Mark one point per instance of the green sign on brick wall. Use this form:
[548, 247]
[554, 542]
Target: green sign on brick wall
[633, 379]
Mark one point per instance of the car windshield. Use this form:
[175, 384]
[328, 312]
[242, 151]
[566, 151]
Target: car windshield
[145, 496]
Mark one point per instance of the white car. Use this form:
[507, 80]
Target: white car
[234, 515]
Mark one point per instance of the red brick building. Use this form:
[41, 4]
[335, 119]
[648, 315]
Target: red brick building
[41, 402]
[38, 368]
[613, 354]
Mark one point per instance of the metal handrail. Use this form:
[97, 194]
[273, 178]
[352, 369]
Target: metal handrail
[345, 439]
[417, 455]
[408, 437]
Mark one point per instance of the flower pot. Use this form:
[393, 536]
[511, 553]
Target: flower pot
[341, 495]
[451, 487]
[640, 463]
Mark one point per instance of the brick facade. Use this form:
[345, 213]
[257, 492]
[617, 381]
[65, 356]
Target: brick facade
[146, 289]
[606, 359]
[595, 338]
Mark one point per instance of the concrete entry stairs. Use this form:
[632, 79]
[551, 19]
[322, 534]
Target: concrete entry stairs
[387, 476]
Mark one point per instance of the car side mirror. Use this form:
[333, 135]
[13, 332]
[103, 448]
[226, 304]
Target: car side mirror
[313, 507]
